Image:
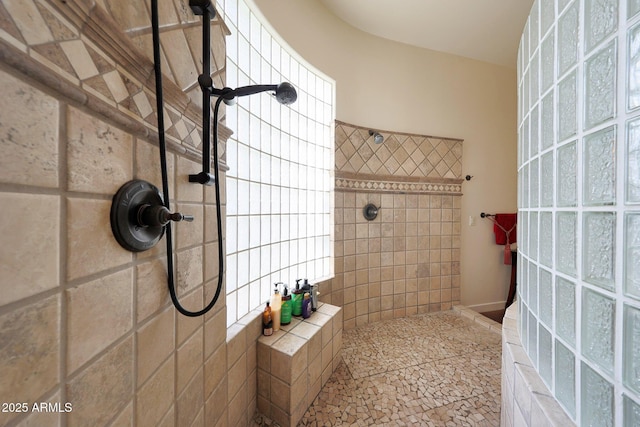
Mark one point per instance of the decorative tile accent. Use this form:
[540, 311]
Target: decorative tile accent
[395, 187]
[399, 155]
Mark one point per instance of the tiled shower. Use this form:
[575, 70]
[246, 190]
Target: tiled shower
[406, 260]
[579, 199]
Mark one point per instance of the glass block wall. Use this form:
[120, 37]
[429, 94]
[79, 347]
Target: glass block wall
[280, 182]
[579, 205]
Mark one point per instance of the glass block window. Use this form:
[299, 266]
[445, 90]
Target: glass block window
[279, 186]
[579, 252]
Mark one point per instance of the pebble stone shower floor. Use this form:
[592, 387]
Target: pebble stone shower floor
[439, 369]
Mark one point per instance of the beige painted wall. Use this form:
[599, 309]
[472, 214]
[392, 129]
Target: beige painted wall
[391, 86]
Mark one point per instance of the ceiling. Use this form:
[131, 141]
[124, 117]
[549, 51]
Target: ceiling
[486, 30]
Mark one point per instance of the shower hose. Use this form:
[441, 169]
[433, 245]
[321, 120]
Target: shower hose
[165, 180]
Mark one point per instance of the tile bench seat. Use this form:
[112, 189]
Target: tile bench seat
[296, 361]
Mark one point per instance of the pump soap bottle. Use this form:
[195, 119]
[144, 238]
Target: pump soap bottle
[296, 299]
[285, 311]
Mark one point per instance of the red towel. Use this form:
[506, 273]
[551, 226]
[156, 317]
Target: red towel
[508, 222]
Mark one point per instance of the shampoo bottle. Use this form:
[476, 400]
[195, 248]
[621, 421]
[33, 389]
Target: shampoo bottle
[306, 306]
[276, 305]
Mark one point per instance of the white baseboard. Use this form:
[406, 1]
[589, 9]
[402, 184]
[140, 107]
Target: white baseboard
[492, 306]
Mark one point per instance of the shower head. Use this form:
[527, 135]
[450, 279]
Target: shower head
[285, 93]
[377, 137]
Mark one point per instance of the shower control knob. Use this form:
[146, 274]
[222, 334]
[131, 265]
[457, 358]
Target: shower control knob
[139, 216]
[159, 215]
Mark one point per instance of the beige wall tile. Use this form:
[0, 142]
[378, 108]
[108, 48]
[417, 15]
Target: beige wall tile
[125, 419]
[189, 360]
[91, 247]
[237, 376]
[212, 268]
[191, 400]
[30, 263]
[99, 155]
[103, 388]
[237, 409]
[189, 233]
[215, 333]
[215, 406]
[156, 396]
[28, 130]
[181, 61]
[280, 394]
[155, 343]
[188, 324]
[148, 166]
[236, 343]
[187, 191]
[152, 290]
[98, 313]
[30, 352]
[49, 419]
[189, 269]
[215, 371]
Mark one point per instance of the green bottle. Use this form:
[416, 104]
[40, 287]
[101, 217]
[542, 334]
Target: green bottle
[286, 309]
[296, 300]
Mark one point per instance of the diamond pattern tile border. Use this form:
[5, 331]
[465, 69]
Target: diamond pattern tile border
[401, 155]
